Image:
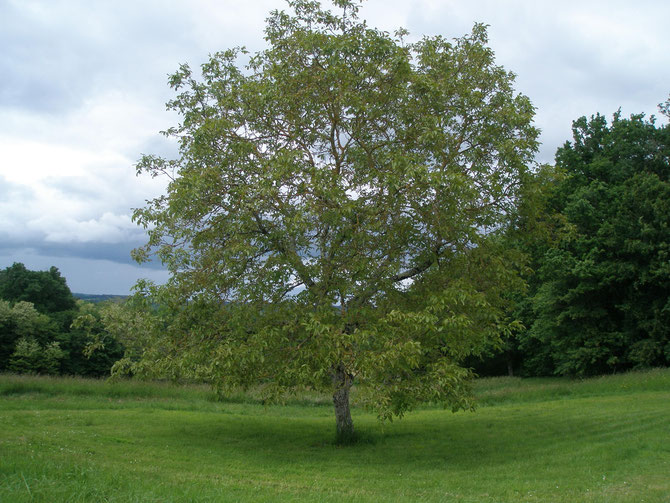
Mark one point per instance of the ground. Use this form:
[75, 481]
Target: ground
[538, 440]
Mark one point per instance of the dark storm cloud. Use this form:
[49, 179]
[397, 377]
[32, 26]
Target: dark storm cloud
[112, 252]
[112, 237]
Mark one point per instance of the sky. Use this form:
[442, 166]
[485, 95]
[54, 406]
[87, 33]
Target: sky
[83, 87]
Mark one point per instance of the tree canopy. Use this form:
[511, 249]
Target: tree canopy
[603, 292]
[332, 216]
[37, 335]
[46, 290]
[21, 321]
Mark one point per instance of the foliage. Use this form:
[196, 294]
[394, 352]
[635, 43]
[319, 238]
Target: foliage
[21, 320]
[114, 335]
[46, 290]
[537, 227]
[92, 351]
[602, 301]
[333, 206]
[97, 298]
[30, 357]
[48, 327]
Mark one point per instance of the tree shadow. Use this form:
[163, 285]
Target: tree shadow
[462, 440]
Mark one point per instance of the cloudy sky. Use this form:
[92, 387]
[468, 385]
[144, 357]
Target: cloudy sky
[83, 85]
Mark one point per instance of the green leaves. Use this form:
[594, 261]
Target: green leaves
[334, 207]
[602, 305]
[31, 358]
[46, 290]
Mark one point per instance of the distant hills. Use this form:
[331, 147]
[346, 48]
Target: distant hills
[89, 297]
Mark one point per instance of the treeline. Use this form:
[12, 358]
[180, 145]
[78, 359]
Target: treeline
[595, 231]
[45, 330]
[598, 296]
[95, 298]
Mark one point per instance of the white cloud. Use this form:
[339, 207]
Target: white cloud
[108, 228]
[28, 161]
[72, 178]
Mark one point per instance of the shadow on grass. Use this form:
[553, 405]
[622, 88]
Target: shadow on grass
[427, 439]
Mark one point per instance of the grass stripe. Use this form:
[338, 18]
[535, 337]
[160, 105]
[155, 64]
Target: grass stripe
[601, 440]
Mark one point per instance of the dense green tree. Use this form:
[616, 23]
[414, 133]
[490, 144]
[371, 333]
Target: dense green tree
[46, 290]
[333, 215]
[536, 227]
[90, 350]
[22, 320]
[38, 310]
[602, 301]
[30, 357]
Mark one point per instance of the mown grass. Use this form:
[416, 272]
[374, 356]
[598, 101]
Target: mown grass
[599, 440]
[497, 390]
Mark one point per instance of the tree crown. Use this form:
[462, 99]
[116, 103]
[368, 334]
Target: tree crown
[335, 194]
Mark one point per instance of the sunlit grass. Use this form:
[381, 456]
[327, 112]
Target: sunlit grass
[553, 440]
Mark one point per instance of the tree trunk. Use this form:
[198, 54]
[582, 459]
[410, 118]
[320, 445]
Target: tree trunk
[510, 366]
[342, 382]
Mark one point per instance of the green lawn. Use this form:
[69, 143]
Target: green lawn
[553, 440]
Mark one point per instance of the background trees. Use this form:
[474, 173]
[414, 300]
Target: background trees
[333, 214]
[22, 322]
[602, 297]
[37, 335]
[47, 291]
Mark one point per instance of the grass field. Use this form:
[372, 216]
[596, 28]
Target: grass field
[535, 440]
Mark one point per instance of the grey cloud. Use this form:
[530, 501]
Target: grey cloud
[56, 54]
[82, 188]
[115, 192]
[112, 188]
[112, 252]
[117, 252]
[22, 90]
[158, 145]
[84, 75]
[38, 70]
[112, 237]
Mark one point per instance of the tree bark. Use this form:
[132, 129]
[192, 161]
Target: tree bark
[342, 382]
[510, 365]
